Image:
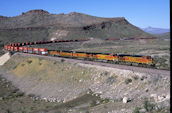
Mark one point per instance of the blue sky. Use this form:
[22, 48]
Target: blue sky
[141, 13]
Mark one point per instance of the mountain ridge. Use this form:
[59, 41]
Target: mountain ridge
[38, 25]
[40, 18]
[154, 30]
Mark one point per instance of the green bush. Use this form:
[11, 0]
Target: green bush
[87, 112]
[106, 100]
[93, 103]
[19, 94]
[31, 95]
[62, 60]
[110, 80]
[148, 106]
[137, 110]
[127, 81]
[135, 77]
[29, 61]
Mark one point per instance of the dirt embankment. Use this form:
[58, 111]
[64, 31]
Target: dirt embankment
[4, 58]
[63, 81]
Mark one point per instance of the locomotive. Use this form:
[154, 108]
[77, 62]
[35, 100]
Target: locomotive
[109, 57]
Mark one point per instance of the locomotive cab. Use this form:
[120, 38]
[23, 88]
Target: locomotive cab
[147, 57]
[149, 60]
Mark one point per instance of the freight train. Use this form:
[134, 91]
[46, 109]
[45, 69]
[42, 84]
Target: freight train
[131, 38]
[109, 57]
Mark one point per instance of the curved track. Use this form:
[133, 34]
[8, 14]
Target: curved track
[13, 47]
[118, 66]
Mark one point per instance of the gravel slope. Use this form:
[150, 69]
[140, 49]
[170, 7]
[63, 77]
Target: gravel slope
[56, 80]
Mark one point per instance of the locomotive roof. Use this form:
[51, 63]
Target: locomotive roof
[66, 51]
[130, 55]
[93, 53]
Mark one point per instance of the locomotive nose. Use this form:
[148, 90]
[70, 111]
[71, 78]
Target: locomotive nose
[153, 62]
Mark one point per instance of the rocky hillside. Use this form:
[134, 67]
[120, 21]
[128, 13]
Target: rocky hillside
[63, 82]
[41, 25]
[41, 18]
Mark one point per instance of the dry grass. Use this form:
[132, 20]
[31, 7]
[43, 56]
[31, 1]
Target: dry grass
[55, 71]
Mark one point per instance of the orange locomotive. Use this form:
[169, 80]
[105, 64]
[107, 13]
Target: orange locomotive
[104, 56]
[135, 59]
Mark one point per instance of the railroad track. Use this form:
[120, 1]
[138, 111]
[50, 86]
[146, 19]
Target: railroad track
[111, 58]
[118, 66]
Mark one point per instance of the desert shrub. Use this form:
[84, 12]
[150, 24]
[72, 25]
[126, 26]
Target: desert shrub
[8, 111]
[15, 67]
[137, 110]
[87, 112]
[93, 103]
[110, 80]
[135, 77]
[106, 100]
[105, 107]
[127, 81]
[31, 95]
[15, 90]
[29, 61]
[62, 60]
[69, 105]
[142, 78]
[106, 73]
[19, 94]
[148, 106]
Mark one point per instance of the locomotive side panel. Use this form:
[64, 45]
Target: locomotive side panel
[105, 57]
[81, 55]
[53, 53]
[65, 53]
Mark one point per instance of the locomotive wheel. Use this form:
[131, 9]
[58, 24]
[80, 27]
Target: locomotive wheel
[116, 62]
[144, 65]
[152, 66]
[140, 65]
[110, 61]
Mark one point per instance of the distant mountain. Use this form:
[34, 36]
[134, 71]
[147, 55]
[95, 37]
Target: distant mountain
[37, 25]
[155, 30]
